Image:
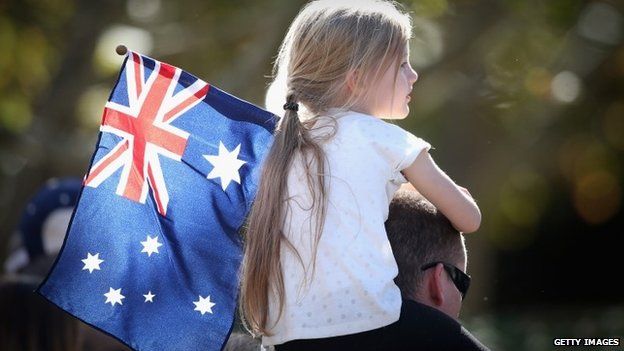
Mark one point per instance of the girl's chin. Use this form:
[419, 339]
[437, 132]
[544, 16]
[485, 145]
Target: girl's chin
[401, 115]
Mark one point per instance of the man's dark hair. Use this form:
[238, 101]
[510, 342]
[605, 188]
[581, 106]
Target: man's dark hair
[419, 234]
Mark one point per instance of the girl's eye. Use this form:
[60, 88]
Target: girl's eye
[404, 64]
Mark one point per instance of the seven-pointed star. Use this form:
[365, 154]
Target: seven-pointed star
[226, 165]
[92, 262]
[149, 297]
[203, 305]
[114, 296]
[151, 245]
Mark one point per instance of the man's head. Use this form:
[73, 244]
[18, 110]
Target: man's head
[426, 248]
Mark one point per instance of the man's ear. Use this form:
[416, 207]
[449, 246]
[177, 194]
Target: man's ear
[435, 284]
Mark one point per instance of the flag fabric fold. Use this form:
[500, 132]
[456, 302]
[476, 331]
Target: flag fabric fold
[152, 252]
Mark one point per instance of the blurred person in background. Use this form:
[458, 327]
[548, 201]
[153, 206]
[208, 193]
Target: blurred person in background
[33, 249]
[42, 226]
[431, 256]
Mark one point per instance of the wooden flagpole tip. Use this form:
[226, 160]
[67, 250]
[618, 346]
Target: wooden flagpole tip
[121, 50]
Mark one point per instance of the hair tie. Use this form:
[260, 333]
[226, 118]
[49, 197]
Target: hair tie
[293, 106]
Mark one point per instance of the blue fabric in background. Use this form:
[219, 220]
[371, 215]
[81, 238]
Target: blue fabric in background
[193, 273]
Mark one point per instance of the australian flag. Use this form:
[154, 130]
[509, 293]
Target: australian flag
[152, 252]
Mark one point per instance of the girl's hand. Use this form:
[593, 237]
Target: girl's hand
[453, 201]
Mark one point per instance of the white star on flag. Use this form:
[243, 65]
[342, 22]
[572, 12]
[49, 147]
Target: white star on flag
[226, 165]
[203, 305]
[114, 296]
[149, 297]
[92, 262]
[151, 245]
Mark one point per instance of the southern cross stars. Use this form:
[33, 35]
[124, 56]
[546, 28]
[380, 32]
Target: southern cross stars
[149, 297]
[92, 262]
[114, 296]
[226, 165]
[203, 305]
[151, 245]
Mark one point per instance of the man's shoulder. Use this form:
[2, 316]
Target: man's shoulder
[435, 330]
[430, 317]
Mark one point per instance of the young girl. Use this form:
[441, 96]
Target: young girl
[318, 267]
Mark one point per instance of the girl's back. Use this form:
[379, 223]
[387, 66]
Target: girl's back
[349, 287]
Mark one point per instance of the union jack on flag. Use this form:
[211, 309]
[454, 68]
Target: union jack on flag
[152, 252]
[146, 129]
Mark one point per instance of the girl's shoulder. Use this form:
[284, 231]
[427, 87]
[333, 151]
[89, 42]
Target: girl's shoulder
[371, 128]
[361, 121]
[377, 137]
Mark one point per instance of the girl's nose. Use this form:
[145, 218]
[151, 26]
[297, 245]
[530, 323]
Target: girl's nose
[414, 75]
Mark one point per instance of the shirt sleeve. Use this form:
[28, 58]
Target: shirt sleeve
[396, 145]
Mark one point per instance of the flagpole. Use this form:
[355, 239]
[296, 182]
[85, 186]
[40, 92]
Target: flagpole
[121, 50]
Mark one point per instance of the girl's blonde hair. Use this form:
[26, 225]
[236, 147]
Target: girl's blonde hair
[328, 43]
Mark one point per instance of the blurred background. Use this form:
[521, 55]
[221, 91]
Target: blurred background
[523, 102]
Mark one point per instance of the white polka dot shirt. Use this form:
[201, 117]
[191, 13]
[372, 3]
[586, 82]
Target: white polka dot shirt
[351, 288]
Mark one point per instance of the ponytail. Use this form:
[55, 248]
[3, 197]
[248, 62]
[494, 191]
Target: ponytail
[261, 268]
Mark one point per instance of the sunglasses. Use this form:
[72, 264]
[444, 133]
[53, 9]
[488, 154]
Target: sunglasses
[459, 278]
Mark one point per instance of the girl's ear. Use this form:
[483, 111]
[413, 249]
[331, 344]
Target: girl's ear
[353, 81]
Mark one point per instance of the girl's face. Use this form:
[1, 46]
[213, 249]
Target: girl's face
[389, 97]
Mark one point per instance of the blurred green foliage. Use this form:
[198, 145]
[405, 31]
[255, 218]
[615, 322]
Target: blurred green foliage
[535, 329]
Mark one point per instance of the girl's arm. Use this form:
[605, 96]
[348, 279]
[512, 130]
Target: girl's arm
[450, 199]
